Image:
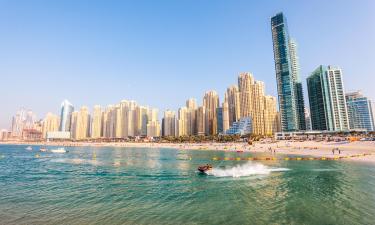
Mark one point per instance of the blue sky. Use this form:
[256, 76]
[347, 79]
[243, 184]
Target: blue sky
[160, 53]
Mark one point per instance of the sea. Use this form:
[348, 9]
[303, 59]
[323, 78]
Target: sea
[115, 185]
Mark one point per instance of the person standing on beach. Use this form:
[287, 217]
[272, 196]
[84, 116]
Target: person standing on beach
[333, 151]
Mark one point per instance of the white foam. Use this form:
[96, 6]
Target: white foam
[245, 170]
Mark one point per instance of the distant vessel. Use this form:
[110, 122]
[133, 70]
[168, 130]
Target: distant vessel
[43, 149]
[29, 148]
[59, 150]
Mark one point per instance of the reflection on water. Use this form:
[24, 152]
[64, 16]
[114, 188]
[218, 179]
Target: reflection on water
[161, 186]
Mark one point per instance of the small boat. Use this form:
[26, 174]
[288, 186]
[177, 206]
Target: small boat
[205, 168]
[43, 149]
[239, 151]
[59, 150]
[29, 148]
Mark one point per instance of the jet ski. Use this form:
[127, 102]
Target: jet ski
[204, 168]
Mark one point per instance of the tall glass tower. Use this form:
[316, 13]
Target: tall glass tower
[328, 107]
[289, 86]
[66, 114]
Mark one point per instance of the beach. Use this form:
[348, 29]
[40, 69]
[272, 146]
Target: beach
[274, 148]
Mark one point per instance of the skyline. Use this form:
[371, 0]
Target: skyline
[249, 49]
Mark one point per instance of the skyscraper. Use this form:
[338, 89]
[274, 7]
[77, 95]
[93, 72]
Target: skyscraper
[255, 105]
[233, 95]
[286, 65]
[169, 123]
[96, 127]
[65, 116]
[50, 124]
[201, 120]
[181, 125]
[81, 124]
[328, 110]
[359, 111]
[153, 125]
[191, 116]
[270, 115]
[225, 110]
[219, 120]
[300, 102]
[245, 85]
[24, 119]
[210, 103]
[141, 119]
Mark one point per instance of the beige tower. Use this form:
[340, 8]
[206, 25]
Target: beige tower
[182, 122]
[141, 119]
[153, 125]
[225, 114]
[73, 124]
[233, 95]
[169, 123]
[245, 85]
[96, 127]
[201, 119]
[258, 108]
[191, 128]
[50, 123]
[270, 115]
[83, 123]
[211, 103]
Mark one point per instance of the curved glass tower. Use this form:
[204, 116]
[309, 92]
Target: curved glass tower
[66, 114]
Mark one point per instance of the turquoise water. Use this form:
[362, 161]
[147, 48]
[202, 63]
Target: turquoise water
[161, 186]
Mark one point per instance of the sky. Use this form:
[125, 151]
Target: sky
[161, 53]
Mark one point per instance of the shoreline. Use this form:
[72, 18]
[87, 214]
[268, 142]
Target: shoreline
[301, 148]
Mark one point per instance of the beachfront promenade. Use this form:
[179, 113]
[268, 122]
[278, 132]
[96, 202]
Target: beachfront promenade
[278, 148]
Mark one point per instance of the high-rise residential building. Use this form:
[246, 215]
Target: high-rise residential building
[191, 103]
[24, 119]
[81, 124]
[153, 125]
[73, 124]
[219, 120]
[254, 104]
[225, 109]
[359, 111]
[141, 119]
[201, 120]
[65, 116]
[169, 123]
[51, 123]
[182, 122]
[373, 112]
[245, 85]
[290, 93]
[191, 116]
[233, 95]
[300, 101]
[270, 115]
[105, 122]
[258, 106]
[128, 118]
[153, 129]
[328, 108]
[210, 103]
[96, 124]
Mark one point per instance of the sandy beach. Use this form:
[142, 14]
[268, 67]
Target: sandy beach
[302, 148]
